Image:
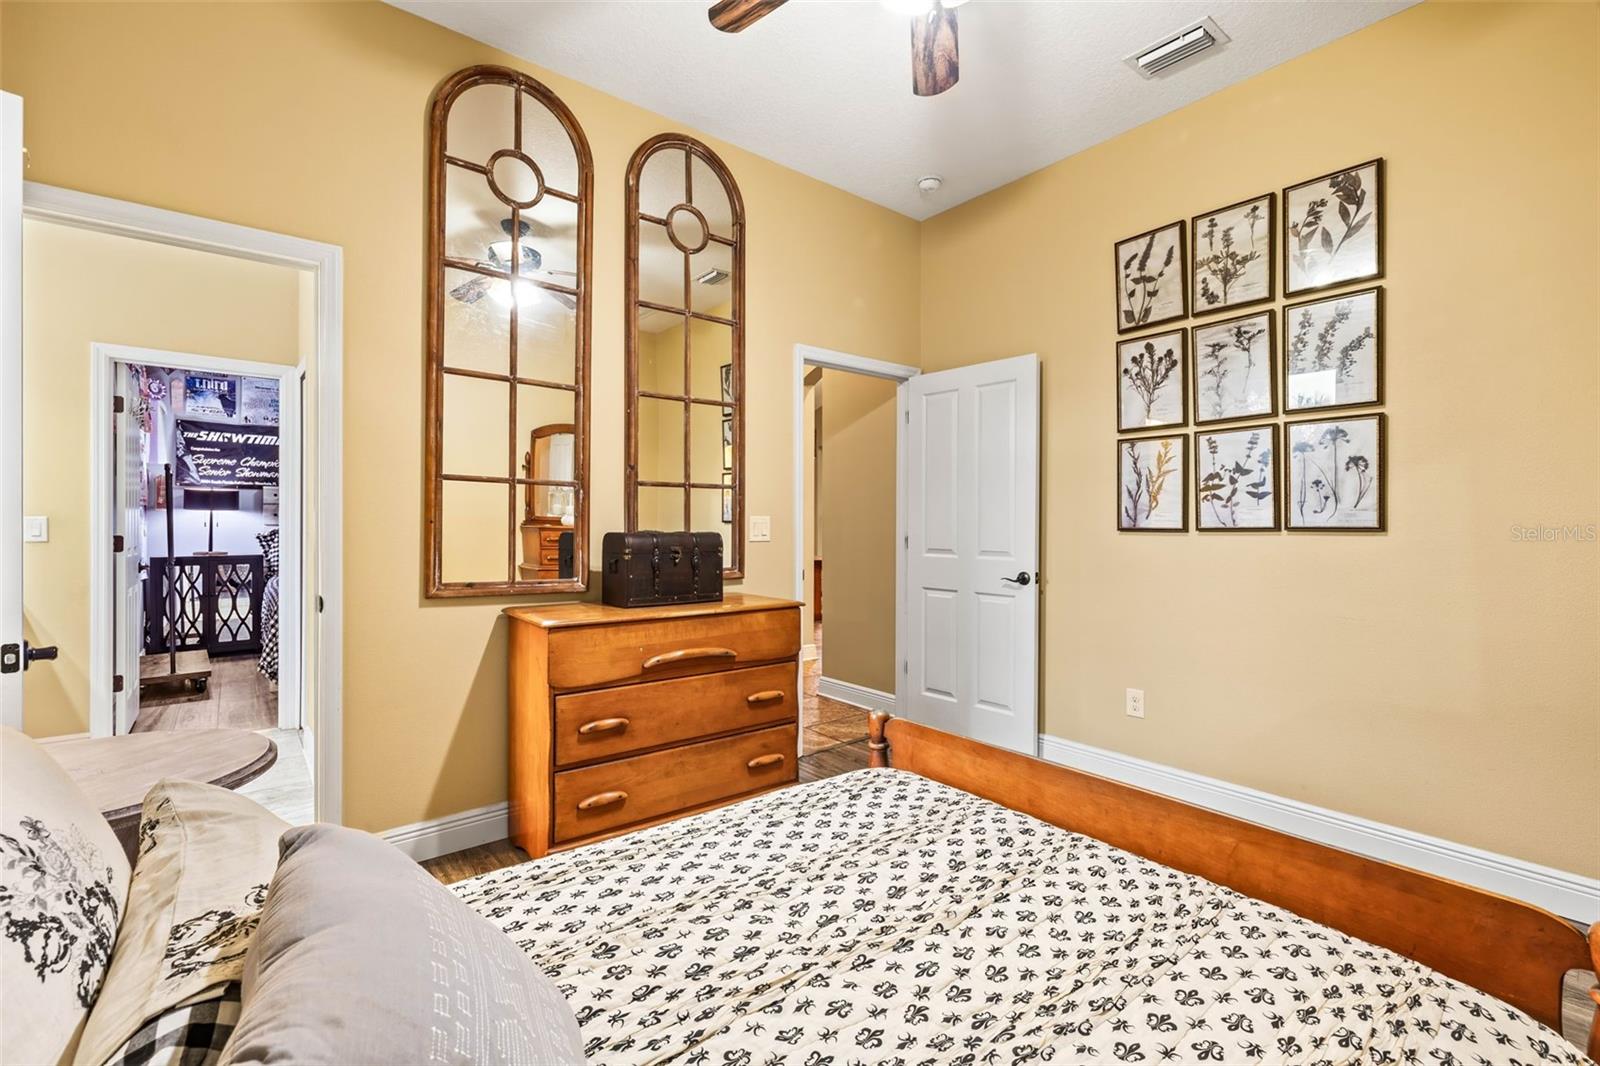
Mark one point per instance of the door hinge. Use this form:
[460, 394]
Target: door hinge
[908, 418]
[117, 543]
[116, 682]
[10, 658]
[117, 405]
[905, 667]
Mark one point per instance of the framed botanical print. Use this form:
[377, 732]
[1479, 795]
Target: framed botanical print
[1236, 478]
[1235, 369]
[1334, 473]
[1152, 488]
[1333, 229]
[1151, 279]
[1333, 352]
[1232, 255]
[1150, 391]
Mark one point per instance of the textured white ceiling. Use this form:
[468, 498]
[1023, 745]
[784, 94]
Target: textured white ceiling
[824, 86]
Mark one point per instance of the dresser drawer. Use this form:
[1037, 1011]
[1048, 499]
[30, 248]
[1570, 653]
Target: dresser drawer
[595, 799]
[587, 656]
[609, 722]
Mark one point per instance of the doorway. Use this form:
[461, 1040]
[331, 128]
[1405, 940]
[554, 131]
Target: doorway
[53, 700]
[847, 518]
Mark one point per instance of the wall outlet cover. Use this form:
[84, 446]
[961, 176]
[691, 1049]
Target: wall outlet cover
[761, 527]
[1135, 703]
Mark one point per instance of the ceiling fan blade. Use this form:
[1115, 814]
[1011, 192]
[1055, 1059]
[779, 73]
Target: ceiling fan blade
[470, 292]
[731, 16]
[935, 57]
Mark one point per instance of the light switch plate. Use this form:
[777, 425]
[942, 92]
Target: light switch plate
[761, 527]
[35, 528]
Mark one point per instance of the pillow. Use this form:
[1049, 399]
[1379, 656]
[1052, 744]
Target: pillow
[269, 552]
[191, 1034]
[362, 957]
[206, 855]
[63, 885]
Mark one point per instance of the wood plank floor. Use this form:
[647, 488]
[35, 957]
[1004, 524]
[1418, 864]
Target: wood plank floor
[1577, 1009]
[237, 697]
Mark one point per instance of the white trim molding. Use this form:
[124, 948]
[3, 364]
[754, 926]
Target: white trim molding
[855, 695]
[454, 832]
[1568, 894]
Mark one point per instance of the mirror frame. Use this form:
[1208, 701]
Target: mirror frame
[733, 553]
[438, 120]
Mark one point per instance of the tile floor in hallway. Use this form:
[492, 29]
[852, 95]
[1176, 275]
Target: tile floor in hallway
[824, 722]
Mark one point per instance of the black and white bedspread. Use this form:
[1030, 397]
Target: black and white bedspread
[879, 917]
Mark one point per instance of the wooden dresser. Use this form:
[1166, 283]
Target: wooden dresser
[622, 718]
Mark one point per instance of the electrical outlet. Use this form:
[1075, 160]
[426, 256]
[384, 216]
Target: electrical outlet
[760, 527]
[1135, 703]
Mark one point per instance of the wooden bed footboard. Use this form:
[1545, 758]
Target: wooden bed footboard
[1510, 949]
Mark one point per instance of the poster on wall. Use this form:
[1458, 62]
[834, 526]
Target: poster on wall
[258, 401]
[226, 457]
[210, 395]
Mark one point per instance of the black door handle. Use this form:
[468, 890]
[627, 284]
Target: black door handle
[30, 654]
[1022, 578]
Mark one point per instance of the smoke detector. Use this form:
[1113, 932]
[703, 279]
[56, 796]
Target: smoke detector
[929, 184]
[1177, 47]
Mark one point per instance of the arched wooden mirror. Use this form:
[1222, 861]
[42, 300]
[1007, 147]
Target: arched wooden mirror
[685, 344]
[510, 182]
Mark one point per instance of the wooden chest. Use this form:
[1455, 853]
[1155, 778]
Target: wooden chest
[623, 718]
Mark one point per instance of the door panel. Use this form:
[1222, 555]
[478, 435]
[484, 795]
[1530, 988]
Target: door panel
[11, 410]
[128, 516]
[972, 547]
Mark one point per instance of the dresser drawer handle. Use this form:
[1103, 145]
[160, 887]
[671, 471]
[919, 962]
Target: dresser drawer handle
[764, 697]
[602, 799]
[683, 655]
[764, 760]
[602, 725]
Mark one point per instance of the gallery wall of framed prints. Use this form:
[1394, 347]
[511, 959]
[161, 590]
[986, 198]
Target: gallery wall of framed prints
[1282, 397]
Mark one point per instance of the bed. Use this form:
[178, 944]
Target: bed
[989, 908]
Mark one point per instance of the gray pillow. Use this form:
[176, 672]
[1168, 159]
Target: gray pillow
[362, 957]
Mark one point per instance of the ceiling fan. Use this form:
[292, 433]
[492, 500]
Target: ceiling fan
[498, 257]
[935, 59]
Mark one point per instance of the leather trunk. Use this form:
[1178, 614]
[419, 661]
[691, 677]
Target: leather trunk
[649, 569]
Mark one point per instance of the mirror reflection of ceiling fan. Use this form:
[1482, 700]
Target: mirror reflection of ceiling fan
[498, 256]
[935, 59]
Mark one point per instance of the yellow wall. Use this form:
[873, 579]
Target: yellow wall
[856, 516]
[1443, 676]
[310, 119]
[81, 287]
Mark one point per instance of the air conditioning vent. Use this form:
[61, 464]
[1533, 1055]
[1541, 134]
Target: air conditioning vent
[1170, 51]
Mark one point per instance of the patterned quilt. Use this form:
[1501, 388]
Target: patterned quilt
[879, 917]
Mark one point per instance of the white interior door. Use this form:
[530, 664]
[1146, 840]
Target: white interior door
[11, 656]
[972, 552]
[128, 569]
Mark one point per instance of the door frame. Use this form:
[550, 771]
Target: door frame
[325, 262]
[806, 355]
[103, 598]
[11, 505]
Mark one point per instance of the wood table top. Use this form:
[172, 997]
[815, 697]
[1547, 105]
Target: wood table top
[116, 772]
[560, 615]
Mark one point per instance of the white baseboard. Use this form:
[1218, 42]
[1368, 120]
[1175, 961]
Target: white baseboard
[1567, 894]
[855, 695]
[441, 836]
[809, 652]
